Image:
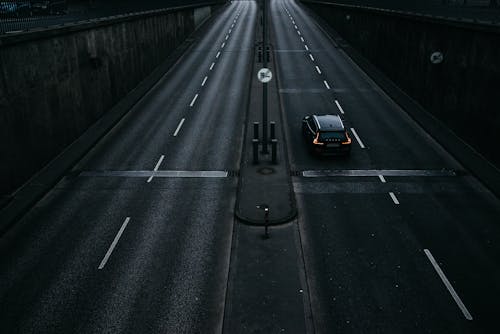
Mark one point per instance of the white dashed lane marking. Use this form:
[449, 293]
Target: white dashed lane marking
[113, 245]
[179, 127]
[357, 138]
[156, 168]
[193, 101]
[338, 106]
[448, 285]
[394, 198]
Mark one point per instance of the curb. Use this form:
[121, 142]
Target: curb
[292, 214]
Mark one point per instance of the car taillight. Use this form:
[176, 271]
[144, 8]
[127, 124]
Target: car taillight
[348, 141]
[316, 140]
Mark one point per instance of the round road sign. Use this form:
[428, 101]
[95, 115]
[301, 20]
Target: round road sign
[264, 75]
[437, 57]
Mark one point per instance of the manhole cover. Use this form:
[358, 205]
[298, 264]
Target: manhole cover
[266, 170]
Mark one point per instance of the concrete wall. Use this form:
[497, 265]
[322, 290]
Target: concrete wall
[462, 91]
[54, 84]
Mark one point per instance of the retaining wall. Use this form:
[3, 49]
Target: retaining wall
[55, 83]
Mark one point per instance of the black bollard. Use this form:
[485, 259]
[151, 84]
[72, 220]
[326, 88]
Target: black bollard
[255, 130]
[273, 130]
[274, 149]
[255, 144]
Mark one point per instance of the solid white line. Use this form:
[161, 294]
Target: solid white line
[302, 39]
[204, 80]
[382, 179]
[326, 84]
[223, 45]
[307, 48]
[338, 106]
[156, 168]
[311, 56]
[357, 138]
[318, 70]
[448, 285]
[212, 66]
[394, 198]
[194, 100]
[179, 127]
[113, 245]
[218, 54]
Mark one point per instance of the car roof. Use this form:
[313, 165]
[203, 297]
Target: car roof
[329, 122]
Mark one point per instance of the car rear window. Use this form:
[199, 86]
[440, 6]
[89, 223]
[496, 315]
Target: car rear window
[332, 135]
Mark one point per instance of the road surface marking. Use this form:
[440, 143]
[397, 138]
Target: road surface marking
[179, 127]
[311, 56]
[223, 45]
[307, 48]
[218, 54]
[326, 84]
[394, 198]
[113, 245]
[302, 39]
[158, 174]
[230, 30]
[194, 100]
[156, 168]
[357, 138]
[318, 70]
[448, 285]
[204, 80]
[227, 36]
[338, 106]
[296, 26]
[382, 179]
[212, 66]
[298, 32]
[377, 172]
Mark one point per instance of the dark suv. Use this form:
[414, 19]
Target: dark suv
[326, 134]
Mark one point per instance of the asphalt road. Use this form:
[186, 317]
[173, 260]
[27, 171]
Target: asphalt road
[106, 251]
[372, 222]
[398, 237]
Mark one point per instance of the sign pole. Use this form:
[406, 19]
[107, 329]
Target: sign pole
[264, 85]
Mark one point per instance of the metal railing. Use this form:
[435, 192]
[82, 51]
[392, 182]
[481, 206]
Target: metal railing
[24, 15]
